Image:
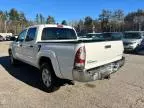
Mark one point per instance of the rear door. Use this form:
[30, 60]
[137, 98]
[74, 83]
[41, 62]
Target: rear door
[100, 53]
[28, 47]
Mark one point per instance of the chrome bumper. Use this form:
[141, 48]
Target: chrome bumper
[97, 73]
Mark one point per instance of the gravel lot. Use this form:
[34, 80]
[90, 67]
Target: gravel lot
[21, 88]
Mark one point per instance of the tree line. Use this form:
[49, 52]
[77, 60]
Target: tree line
[107, 21]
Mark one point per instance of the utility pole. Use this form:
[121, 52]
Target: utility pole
[0, 23]
[5, 26]
[93, 28]
[139, 26]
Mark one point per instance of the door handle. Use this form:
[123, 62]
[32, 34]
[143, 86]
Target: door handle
[108, 46]
[20, 45]
[31, 46]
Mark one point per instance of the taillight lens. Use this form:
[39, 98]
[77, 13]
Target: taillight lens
[80, 58]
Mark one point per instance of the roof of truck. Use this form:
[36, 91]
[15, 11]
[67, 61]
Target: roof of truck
[52, 25]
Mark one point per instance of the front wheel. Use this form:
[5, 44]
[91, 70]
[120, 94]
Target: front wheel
[48, 77]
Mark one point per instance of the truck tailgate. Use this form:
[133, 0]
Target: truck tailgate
[100, 53]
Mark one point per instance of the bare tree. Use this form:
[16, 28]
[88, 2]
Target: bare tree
[118, 20]
[105, 18]
[139, 20]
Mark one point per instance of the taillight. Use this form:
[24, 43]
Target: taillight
[80, 58]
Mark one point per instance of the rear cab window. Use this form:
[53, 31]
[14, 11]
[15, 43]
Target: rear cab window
[53, 33]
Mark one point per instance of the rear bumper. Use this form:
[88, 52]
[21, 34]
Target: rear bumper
[98, 72]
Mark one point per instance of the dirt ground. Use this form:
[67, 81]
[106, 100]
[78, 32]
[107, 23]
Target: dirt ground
[20, 87]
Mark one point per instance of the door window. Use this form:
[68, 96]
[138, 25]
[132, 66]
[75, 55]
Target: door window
[22, 36]
[31, 34]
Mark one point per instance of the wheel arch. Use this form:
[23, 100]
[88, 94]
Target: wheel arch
[52, 60]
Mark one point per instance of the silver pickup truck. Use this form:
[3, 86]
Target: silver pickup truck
[57, 52]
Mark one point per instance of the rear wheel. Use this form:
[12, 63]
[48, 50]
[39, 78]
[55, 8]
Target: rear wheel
[48, 77]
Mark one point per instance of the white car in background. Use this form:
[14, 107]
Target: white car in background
[1, 38]
[141, 48]
[132, 40]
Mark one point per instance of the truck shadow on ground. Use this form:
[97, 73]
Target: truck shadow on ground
[29, 74]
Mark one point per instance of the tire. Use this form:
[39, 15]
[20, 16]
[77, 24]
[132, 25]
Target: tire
[137, 49]
[13, 61]
[48, 77]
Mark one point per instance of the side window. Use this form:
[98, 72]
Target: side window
[31, 34]
[22, 36]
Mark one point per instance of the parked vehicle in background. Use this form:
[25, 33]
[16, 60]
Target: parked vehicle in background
[5, 34]
[132, 40]
[104, 36]
[8, 38]
[113, 35]
[141, 48]
[93, 35]
[90, 36]
[1, 38]
[58, 52]
[16, 36]
[13, 38]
